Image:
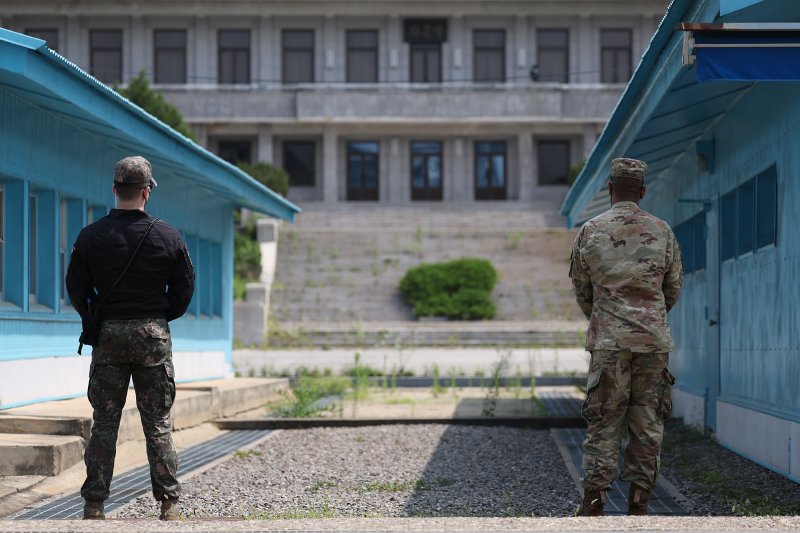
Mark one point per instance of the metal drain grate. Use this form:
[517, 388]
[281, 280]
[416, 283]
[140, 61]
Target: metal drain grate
[560, 403]
[136, 482]
[661, 502]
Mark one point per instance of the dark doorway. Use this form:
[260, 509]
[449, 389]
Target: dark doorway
[426, 171]
[553, 162]
[363, 171]
[300, 163]
[490, 170]
[235, 151]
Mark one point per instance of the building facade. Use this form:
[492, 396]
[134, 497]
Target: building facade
[374, 101]
[732, 200]
[61, 133]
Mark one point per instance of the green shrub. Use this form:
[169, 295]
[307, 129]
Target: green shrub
[437, 305]
[472, 304]
[456, 289]
[246, 261]
[273, 177]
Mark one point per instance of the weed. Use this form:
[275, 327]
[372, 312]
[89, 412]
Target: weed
[245, 454]
[306, 391]
[319, 485]
[399, 401]
[436, 387]
[513, 239]
[360, 438]
[490, 401]
[417, 485]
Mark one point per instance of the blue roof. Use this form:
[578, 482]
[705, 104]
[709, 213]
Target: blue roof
[54, 83]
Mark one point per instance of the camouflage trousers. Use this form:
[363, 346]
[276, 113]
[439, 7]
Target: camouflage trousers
[140, 349]
[627, 393]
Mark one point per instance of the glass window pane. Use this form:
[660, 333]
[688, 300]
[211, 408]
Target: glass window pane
[745, 219]
[552, 38]
[234, 39]
[489, 38]
[553, 65]
[553, 162]
[728, 223]
[426, 147]
[106, 65]
[362, 66]
[354, 171]
[699, 238]
[434, 172]
[617, 38]
[298, 38]
[298, 66]
[767, 210]
[169, 39]
[482, 172]
[483, 147]
[105, 39]
[235, 151]
[362, 39]
[418, 66]
[489, 66]
[418, 172]
[370, 172]
[241, 67]
[498, 170]
[170, 66]
[299, 163]
[363, 147]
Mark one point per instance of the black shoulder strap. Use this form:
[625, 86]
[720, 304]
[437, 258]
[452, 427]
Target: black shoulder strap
[96, 309]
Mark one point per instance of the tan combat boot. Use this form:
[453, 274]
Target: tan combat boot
[170, 510]
[93, 510]
[637, 501]
[594, 502]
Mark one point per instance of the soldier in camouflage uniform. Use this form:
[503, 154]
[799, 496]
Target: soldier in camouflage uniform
[134, 340]
[627, 274]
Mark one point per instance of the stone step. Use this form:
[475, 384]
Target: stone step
[36, 454]
[68, 421]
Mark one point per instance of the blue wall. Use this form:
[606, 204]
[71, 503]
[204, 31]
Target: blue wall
[757, 364]
[69, 171]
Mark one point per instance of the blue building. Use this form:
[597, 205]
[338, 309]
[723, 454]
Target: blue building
[61, 131]
[713, 109]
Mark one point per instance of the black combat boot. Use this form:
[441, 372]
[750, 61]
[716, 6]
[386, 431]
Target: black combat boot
[170, 510]
[637, 501]
[93, 510]
[594, 502]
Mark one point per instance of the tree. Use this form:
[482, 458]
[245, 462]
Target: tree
[273, 177]
[140, 93]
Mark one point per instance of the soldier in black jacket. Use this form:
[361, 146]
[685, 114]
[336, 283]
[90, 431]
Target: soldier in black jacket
[134, 337]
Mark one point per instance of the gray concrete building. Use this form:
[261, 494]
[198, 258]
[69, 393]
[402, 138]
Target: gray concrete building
[395, 102]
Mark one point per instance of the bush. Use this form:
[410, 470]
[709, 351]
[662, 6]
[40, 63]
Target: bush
[140, 93]
[271, 176]
[472, 304]
[246, 261]
[457, 289]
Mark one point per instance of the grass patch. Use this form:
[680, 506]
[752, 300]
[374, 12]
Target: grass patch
[417, 485]
[305, 392]
[245, 454]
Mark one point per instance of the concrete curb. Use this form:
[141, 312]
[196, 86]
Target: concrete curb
[305, 423]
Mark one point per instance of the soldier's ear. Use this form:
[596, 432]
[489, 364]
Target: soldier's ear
[610, 187]
[642, 192]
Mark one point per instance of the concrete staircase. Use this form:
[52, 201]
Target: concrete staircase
[343, 264]
[47, 438]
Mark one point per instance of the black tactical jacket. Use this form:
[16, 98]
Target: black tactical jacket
[159, 282]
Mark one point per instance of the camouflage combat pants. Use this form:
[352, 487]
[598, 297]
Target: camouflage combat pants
[140, 349]
[626, 392]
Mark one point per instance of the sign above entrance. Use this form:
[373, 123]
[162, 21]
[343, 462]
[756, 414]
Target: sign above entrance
[425, 31]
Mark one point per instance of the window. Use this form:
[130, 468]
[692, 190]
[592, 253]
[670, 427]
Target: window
[235, 151]
[234, 56]
[170, 56]
[299, 162]
[32, 246]
[553, 162]
[615, 56]
[728, 225]
[426, 170]
[489, 55]
[48, 35]
[691, 236]
[490, 170]
[105, 51]
[216, 261]
[426, 63]
[553, 55]
[745, 217]
[767, 207]
[362, 170]
[749, 215]
[204, 281]
[362, 56]
[297, 57]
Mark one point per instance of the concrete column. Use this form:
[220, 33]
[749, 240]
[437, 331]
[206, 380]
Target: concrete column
[459, 54]
[264, 151]
[396, 56]
[330, 165]
[329, 54]
[396, 183]
[202, 67]
[522, 58]
[526, 175]
[136, 59]
[72, 42]
[266, 54]
[589, 138]
[588, 55]
[461, 188]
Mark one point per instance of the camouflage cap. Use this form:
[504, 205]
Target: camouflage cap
[624, 167]
[134, 171]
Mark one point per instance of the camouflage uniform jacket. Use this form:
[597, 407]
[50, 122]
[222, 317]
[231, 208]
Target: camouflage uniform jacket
[627, 274]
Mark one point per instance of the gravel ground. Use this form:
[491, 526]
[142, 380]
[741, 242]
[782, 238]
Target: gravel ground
[719, 482]
[389, 471]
